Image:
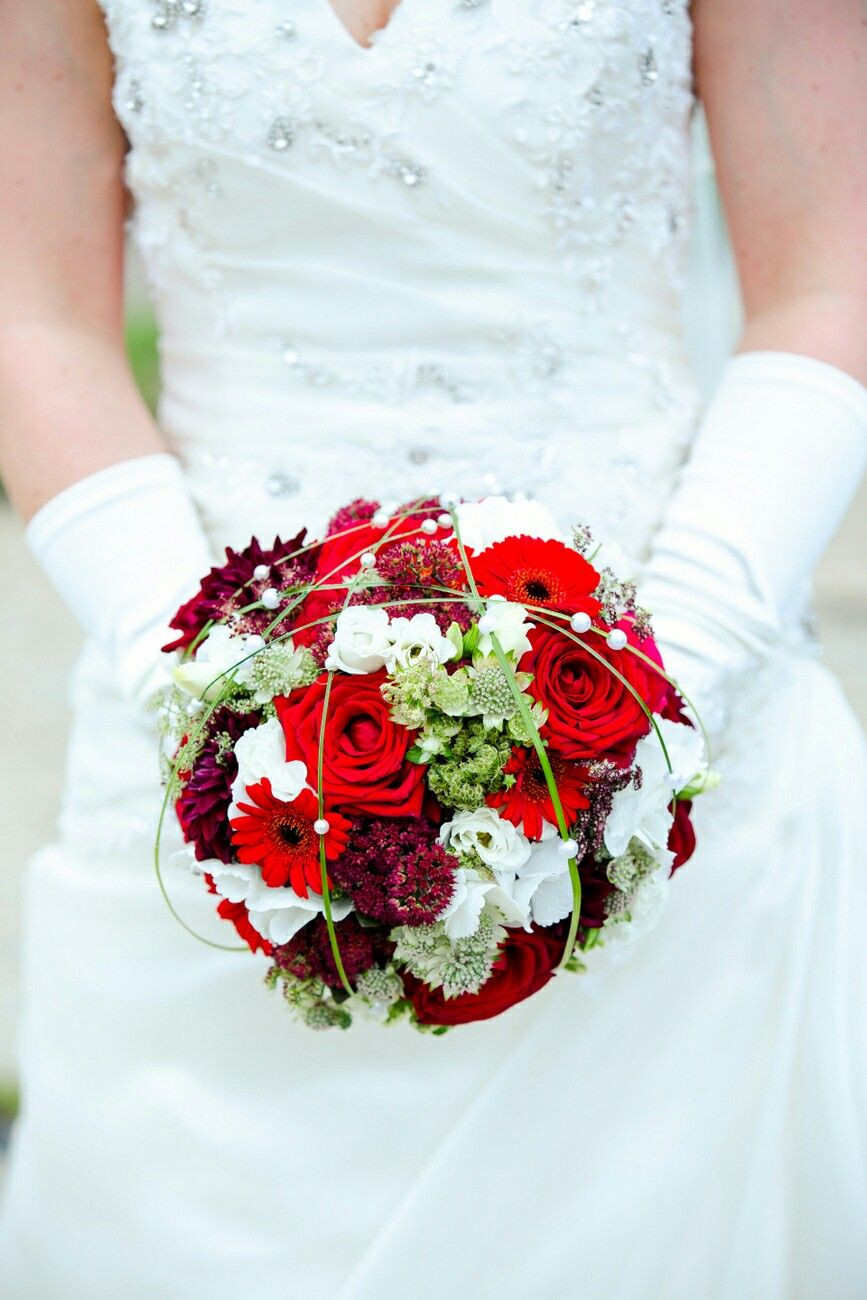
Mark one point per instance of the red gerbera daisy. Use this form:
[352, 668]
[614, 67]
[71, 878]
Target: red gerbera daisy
[534, 572]
[279, 837]
[527, 801]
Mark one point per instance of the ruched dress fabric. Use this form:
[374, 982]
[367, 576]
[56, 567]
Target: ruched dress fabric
[453, 260]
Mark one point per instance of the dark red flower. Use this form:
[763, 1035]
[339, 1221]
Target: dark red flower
[525, 965]
[535, 572]
[340, 554]
[591, 713]
[365, 767]
[229, 586]
[279, 837]
[527, 801]
[308, 954]
[203, 804]
[681, 837]
[396, 870]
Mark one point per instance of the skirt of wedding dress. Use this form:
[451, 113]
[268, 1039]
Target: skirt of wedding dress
[688, 1122]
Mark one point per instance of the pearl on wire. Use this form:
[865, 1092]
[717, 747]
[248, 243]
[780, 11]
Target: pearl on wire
[580, 622]
[261, 572]
[444, 520]
[270, 598]
[428, 526]
[380, 519]
[322, 826]
[368, 560]
[567, 848]
[616, 639]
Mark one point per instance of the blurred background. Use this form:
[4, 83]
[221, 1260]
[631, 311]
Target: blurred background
[35, 661]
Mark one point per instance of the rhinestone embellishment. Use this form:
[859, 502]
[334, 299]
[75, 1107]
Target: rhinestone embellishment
[281, 134]
[280, 483]
[169, 11]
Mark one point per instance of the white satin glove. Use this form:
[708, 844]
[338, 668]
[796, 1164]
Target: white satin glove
[769, 477]
[124, 548]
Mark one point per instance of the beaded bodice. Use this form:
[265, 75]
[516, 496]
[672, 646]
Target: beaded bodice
[451, 259]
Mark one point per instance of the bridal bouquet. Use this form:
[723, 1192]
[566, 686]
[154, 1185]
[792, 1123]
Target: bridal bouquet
[427, 761]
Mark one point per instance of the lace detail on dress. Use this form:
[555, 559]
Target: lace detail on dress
[455, 254]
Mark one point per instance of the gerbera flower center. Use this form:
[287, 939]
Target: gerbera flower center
[291, 834]
[537, 587]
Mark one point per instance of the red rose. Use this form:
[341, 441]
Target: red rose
[591, 714]
[681, 837]
[365, 768]
[524, 966]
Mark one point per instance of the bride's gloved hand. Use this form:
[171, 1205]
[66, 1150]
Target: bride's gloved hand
[124, 548]
[768, 480]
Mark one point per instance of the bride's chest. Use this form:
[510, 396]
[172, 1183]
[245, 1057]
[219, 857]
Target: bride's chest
[551, 84]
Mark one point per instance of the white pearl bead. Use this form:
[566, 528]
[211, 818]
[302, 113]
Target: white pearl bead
[380, 519]
[321, 826]
[567, 848]
[487, 623]
[616, 639]
[368, 560]
[444, 520]
[580, 622]
[261, 571]
[428, 526]
[255, 642]
[449, 500]
[270, 598]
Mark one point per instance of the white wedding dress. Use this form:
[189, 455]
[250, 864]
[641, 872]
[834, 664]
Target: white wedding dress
[454, 259]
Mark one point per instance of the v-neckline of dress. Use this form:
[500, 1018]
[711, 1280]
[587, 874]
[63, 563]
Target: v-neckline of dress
[375, 38]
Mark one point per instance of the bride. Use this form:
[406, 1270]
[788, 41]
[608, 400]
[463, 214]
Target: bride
[441, 243]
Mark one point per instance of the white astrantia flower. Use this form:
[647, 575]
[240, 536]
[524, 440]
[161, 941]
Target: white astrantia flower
[481, 523]
[276, 914]
[207, 674]
[491, 837]
[261, 752]
[417, 638]
[644, 813]
[511, 627]
[645, 904]
[361, 642]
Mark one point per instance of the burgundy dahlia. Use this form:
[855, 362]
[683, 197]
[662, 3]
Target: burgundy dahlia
[230, 586]
[396, 871]
[308, 954]
[203, 804]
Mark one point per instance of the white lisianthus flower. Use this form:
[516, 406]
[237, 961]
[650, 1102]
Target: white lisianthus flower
[481, 523]
[543, 886]
[644, 814]
[261, 752]
[276, 914]
[472, 897]
[361, 640]
[205, 676]
[511, 627]
[484, 832]
[415, 638]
